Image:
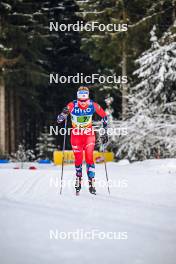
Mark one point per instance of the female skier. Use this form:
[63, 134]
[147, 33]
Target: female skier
[83, 135]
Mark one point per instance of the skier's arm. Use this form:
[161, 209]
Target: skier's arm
[99, 110]
[65, 112]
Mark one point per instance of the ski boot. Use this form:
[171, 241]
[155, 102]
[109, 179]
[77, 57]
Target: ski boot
[78, 179]
[92, 189]
[78, 185]
[91, 178]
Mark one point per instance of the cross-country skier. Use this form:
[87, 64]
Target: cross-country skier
[83, 135]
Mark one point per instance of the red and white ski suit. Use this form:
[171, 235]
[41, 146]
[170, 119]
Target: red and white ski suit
[81, 114]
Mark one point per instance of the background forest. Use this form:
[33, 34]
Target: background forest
[146, 53]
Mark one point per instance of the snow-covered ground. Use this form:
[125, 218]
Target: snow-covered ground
[141, 211]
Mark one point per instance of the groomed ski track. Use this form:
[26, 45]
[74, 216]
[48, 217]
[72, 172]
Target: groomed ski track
[142, 205]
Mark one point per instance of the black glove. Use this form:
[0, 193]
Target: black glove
[63, 115]
[104, 138]
[65, 110]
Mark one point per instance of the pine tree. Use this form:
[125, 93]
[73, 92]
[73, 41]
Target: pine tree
[155, 93]
[32, 102]
[152, 123]
[21, 37]
[45, 145]
[23, 155]
[116, 51]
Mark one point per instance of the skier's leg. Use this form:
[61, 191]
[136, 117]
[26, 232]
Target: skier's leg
[76, 142]
[91, 178]
[78, 177]
[89, 149]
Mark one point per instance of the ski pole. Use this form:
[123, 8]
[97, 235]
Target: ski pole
[63, 156]
[106, 171]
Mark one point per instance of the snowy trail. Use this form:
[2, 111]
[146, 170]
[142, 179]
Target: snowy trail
[142, 204]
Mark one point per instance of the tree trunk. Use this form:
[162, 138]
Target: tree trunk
[2, 117]
[124, 85]
[12, 121]
[7, 119]
[124, 71]
[173, 13]
[17, 120]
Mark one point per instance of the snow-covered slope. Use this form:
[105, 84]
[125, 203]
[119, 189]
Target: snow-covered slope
[141, 211]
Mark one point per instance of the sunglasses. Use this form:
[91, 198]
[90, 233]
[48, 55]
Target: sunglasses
[82, 94]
